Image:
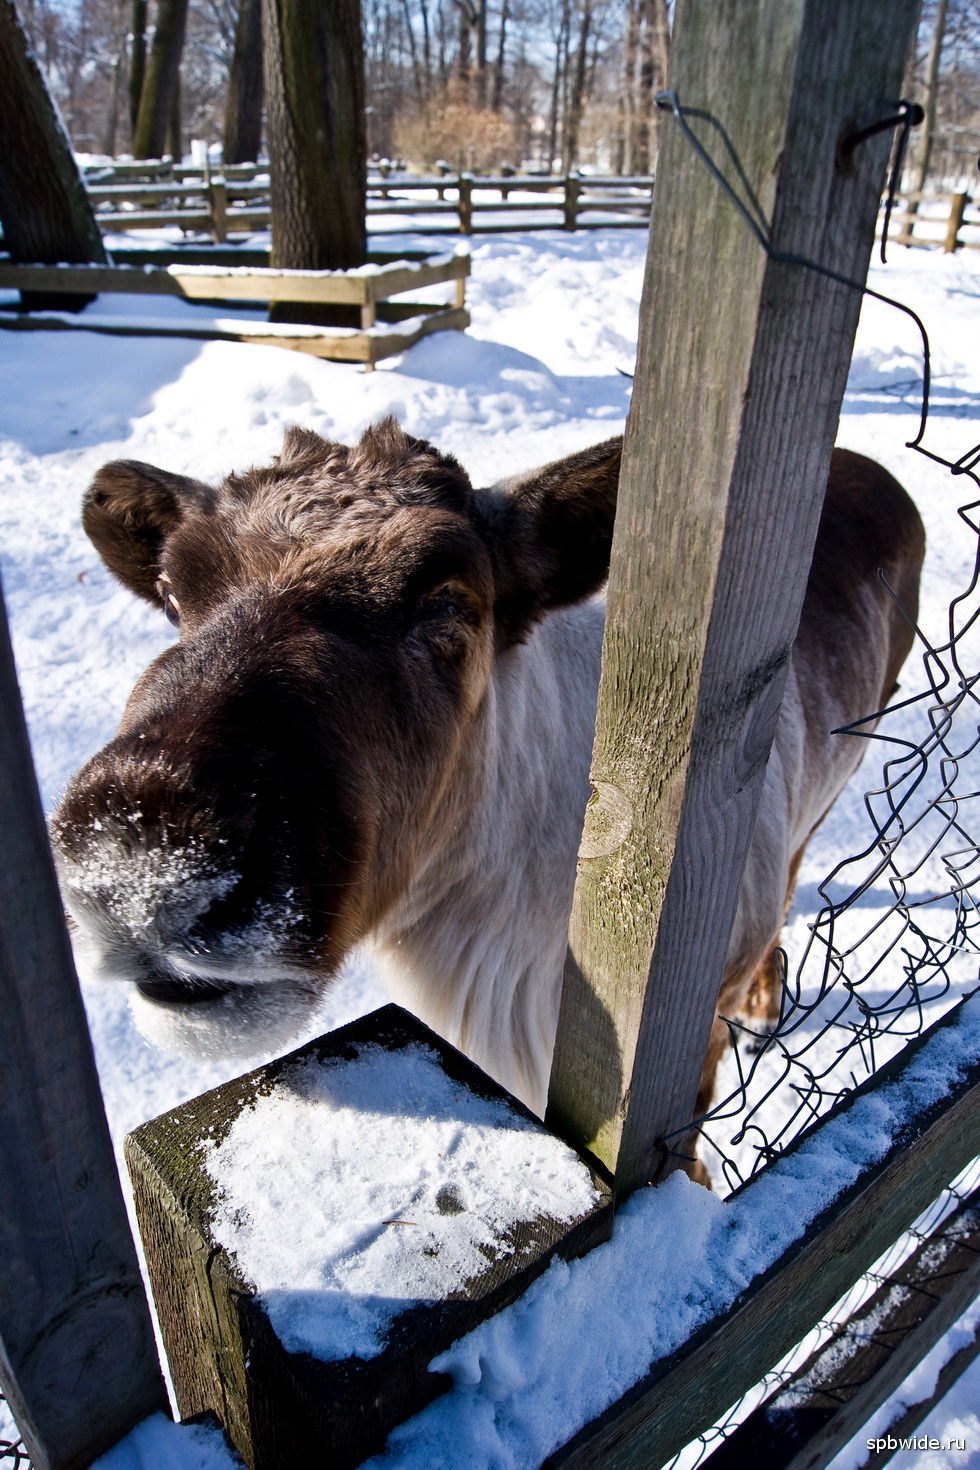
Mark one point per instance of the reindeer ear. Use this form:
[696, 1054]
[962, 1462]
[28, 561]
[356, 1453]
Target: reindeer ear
[128, 512]
[300, 444]
[550, 534]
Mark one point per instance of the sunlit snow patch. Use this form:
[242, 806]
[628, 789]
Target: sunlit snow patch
[360, 1187]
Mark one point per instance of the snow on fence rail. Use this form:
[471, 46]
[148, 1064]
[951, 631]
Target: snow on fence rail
[367, 289]
[849, 1163]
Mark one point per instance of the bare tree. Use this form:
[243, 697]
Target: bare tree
[157, 119]
[930, 95]
[243, 109]
[314, 84]
[46, 213]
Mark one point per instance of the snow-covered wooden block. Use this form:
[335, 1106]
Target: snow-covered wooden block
[319, 1229]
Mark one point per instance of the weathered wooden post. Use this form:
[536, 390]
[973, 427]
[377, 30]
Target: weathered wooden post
[464, 196]
[78, 1363]
[573, 188]
[957, 206]
[218, 209]
[740, 374]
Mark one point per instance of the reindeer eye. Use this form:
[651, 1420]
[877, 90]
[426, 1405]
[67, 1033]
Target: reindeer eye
[444, 604]
[171, 607]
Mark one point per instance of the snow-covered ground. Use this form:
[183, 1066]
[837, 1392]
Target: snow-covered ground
[539, 374]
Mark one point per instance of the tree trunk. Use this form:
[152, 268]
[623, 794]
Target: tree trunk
[498, 74]
[46, 213]
[426, 49]
[156, 108]
[413, 52]
[173, 143]
[923, 152]
[573, 118]
[480, 99]
[466, 17]
[243, 111]
[561, 56]
[137, 64]
[653, 49]
[314, 84]
[628, 101]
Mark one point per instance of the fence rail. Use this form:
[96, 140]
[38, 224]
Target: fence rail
[236, 201]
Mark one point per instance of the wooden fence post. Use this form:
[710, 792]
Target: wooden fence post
[464, 191]
[78, 1363]
[957, 206]
[573, 188]
[740, 374]
[218, 210]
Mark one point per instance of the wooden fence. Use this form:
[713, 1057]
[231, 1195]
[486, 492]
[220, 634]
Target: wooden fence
[236, 200]
[386, 327]
[695, 651]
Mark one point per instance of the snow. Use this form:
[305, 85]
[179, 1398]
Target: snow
[539, 374]
[359, 1187]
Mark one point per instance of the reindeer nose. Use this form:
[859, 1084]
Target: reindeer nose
[174, 990]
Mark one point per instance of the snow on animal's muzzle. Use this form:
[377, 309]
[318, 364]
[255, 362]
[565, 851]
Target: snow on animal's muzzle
[215, 969]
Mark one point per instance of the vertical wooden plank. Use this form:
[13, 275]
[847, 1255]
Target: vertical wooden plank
[740, 374]
[218, 209]
[573, 188]
[957, 205]
[464, 194]
[78, 1363]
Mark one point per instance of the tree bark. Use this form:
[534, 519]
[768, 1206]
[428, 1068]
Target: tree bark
[498, 73]
[243, 112]
[314, 84]
[658, 51]
[174, 142]
[573, 118]
[156, 106]
[46, 213]
[627, 108]
[561, 57]
[137, 62]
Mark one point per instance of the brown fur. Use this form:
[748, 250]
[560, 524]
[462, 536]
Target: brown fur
[308, 746]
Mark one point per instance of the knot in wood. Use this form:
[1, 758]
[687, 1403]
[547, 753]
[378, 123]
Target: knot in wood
[608, 821]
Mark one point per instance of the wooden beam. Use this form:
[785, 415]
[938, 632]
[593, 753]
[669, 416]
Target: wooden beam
[245, 284]
[283, 1408]
[740, 374]
[805, 1424]
[78, 1363]
[370, 346]
[686, 1393]
[392, 280]
[957, 206]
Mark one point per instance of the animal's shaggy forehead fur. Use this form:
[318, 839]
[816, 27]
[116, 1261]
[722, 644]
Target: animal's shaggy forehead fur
[374, 524]
[312, 486]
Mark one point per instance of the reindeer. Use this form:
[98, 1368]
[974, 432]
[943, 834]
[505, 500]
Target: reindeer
[377, 725]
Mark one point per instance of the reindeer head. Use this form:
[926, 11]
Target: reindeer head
[282, 771]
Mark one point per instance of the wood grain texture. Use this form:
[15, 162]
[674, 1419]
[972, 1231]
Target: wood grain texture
[816, 1413]
[44, 209]
[78, 1363]
[316, 131]
[288, 1411]
[740, 373]
[688, 1391]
